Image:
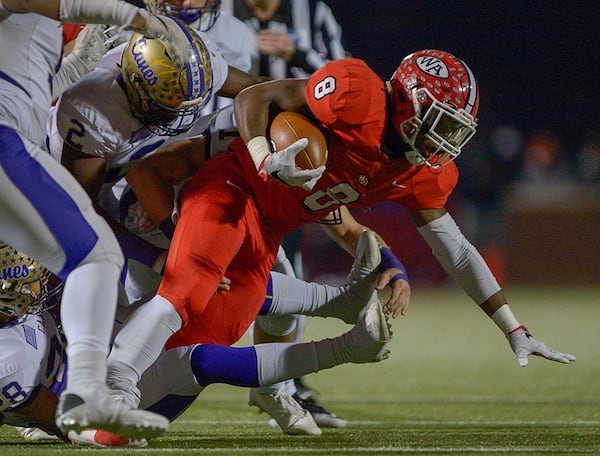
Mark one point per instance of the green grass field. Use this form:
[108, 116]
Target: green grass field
[451, 386]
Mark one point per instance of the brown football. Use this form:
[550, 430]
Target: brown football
[287, 127]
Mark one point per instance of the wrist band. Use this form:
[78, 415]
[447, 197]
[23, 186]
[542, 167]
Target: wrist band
[389, 261]
[505, 319]
[259, 150]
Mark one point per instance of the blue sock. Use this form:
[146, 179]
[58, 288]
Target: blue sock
[219, 364]
[266, 306]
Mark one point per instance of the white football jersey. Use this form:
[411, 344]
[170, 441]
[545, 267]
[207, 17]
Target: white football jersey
[33, 354]
[25, 80]
[94, 116]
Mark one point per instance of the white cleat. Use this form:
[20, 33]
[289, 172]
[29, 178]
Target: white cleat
[367, 341]
[76, 414]
[33, 434]
[348, 301]
[281, 406]
[367, 259]
[104, 439]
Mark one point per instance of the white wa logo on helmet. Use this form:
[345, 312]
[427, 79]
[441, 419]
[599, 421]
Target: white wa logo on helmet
[433, 66]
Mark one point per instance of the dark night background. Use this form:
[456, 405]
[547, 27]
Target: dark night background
[537, 62]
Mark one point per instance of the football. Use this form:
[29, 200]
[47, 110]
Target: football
[287, 127]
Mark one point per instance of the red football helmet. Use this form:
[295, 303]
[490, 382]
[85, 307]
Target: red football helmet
[435, 100]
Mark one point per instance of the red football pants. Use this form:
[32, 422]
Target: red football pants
[220, 233]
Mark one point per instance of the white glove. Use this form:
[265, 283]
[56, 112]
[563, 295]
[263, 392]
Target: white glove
[90, 46]
[104, 439]
[282, 165]
[170, 31]
[32, 434]
[524, 344]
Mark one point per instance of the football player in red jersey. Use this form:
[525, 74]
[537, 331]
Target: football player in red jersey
[393, 140]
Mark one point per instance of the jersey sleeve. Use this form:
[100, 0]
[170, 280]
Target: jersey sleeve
[430, 190]
[345, 93]
[80, 122]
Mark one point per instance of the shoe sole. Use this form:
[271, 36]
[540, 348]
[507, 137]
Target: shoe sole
[142, 428]
[384, 332]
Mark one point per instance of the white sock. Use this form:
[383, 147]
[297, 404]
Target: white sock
[142, 339]
[292, 295]
[277, 362]
[87, 314]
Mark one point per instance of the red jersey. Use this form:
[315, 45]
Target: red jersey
[349, 100]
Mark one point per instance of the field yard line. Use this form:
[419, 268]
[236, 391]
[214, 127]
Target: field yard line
[357, 450]
[419, 422]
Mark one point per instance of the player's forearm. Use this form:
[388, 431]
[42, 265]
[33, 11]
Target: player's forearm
[462, 261]
[81, 11]
[346, 233]
[41, 410]
[155, 194]
[48, 8]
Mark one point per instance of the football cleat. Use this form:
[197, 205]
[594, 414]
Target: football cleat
[281, 406]
[348, 301]
[367, 259]
[322, 417]
[104, 439]
[76, 414]
[367, 341]
[33, 434]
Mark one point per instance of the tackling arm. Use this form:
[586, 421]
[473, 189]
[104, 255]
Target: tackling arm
[153, 179]
[41, 411]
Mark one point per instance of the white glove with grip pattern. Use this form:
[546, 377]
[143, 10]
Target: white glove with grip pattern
[170, 31]
[524, 344]
[282, 165]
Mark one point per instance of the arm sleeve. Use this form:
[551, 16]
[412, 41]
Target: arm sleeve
[459, 258]
[97, 12]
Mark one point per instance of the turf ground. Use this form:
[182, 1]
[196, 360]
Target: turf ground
[451, 386]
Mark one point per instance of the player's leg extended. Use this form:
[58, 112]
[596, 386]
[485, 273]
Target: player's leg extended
[269, 363]
[294, 296]
[204, 244]
[47, 214]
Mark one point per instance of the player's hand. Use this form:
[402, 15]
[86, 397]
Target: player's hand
[282, 165]
[524, 344]
[170, 31]
[90, 45]
[397, 304]
[224, 285]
